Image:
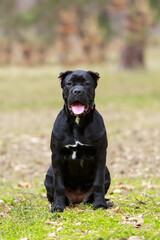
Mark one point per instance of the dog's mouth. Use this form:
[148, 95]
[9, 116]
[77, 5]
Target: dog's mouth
[78, 108]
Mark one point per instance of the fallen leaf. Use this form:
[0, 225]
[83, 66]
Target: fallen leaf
[51, 222]
[24, 184]
[134, 238]
[150, 186]
[44, 195]
[59, 228]
[118, 210]
[137, 207]
[117, 191]
[115, 210]
[125, 186]
[139, 218]
[20, 167]
[78, 223]
[17, 200]
[7, 208]
[2, 214]
[52, 235]
[138, 225]
[143, 202]
[136, 221]
[151, 197]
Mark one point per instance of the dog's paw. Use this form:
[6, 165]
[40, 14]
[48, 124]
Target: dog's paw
[100, 204]
[57, 207]
[109, 203]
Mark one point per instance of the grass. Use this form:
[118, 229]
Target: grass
[135, 213]
[130, 104]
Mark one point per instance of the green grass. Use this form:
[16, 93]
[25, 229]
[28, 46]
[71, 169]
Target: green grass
[135, 213]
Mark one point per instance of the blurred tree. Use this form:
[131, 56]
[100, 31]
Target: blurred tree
[137, 21]
[79, 37]
[31, 27]
[155, 4]
[33, 23]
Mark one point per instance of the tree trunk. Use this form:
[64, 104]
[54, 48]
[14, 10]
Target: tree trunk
[137, 21]
[133, 56]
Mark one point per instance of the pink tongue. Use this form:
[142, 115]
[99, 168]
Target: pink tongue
[78, 109]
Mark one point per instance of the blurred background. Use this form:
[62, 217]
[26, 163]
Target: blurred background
[120, 39]
[70, 32]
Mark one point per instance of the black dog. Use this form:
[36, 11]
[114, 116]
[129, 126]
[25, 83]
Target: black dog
[78, 172]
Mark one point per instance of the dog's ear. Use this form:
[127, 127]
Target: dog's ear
[95, 76]
[62, 76]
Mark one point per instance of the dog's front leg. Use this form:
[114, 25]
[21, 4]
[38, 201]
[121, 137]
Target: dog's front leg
[59, 189]
[99, 182]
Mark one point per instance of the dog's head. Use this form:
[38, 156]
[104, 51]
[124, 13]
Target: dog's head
[79, 90]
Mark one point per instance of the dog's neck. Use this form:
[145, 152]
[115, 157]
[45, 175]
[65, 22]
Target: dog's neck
[92, 108]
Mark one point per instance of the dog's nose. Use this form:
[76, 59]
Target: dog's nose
[77, 91]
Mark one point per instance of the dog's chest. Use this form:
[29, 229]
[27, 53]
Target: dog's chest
[78, 153]
[77, 149]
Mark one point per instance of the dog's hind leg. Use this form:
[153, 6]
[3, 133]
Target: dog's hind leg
[48, 183]
[107, 185]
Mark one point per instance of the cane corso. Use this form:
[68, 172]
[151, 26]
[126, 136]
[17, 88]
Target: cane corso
[78, 172]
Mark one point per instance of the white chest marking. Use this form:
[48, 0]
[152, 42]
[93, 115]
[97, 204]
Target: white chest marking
[81, 162]
[77, 120]
[74, 155]
[76, 144]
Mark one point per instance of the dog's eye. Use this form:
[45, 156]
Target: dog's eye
[69, 84]
[87, 84]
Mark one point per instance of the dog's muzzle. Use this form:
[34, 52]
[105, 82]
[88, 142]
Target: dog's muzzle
[78, 101]
[78, 108]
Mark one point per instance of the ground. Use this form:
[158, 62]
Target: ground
[130, 105]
